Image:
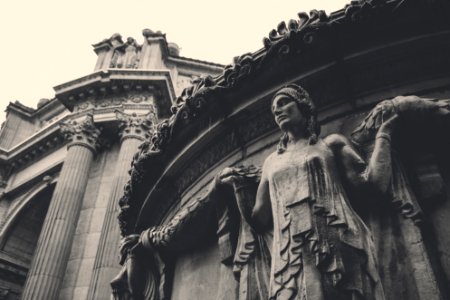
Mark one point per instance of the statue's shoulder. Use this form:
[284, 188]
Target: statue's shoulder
[336, 141]
[269, 161]
[270, 158]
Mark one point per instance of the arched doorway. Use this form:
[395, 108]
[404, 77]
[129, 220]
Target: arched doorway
[18, 242]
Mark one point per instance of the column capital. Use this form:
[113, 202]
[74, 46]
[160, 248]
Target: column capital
[135, 126]
[83, 133]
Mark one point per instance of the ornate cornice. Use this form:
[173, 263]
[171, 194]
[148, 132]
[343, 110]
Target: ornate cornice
[137, 97]
[135, 126]
[37, 147]
[311, 37]
[113, 82]
[84, 134]
[51, 138]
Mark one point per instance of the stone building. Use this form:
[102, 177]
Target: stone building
[63, 167]
[191, 234]
[186, 227]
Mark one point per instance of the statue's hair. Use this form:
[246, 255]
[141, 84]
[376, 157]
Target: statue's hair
[308, 110]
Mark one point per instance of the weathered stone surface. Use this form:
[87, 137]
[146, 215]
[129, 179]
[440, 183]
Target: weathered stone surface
[94, 205]
[349, 61]
[133, 130]
[197, 275]
[143, 81]
[53, 250]
[225, 121]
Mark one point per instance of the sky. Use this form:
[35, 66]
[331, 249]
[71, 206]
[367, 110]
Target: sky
[48, 42]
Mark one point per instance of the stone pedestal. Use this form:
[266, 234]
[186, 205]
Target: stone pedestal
[133, 130]
[50, 260]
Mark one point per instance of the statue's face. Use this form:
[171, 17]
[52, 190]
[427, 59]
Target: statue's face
[287, 113]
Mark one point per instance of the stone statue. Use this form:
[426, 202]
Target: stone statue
[299, 234]
[126, 55]
[321, 249]
[131, 57]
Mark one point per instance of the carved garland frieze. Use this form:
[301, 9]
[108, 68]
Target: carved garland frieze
[233, 140]
[95, 102]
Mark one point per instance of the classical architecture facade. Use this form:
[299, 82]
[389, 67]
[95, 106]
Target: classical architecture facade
[251, 191]
[314, 168]
[63, 167]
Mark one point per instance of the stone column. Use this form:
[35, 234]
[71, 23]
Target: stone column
[133, 131]
[55, 241]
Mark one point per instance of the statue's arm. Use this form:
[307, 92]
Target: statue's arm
[375, 174]
[379, 170]
[256, 211]
[379, 124]
[261, 218]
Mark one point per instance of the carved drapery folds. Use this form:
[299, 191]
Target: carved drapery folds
[241, 248]
[411, 109]
[248, 253]
[398, 223]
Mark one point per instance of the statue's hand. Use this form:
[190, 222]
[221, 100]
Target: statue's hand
[389, 125]
[383, 111]
[421, 106]
[386, 114]
[404, 105]
[228, 176]
[128, 243]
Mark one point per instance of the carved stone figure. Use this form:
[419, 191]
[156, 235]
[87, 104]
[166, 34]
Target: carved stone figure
[131, 58]
[299, 236]
[321, 249]
[126, 55]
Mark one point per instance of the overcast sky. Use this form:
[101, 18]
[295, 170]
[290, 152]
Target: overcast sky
[46, 43]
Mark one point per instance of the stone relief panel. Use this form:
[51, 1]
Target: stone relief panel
[290, 229]
[99, 102]
[331, 217]
[127, 55]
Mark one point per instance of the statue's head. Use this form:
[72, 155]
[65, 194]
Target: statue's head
[292, 107]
